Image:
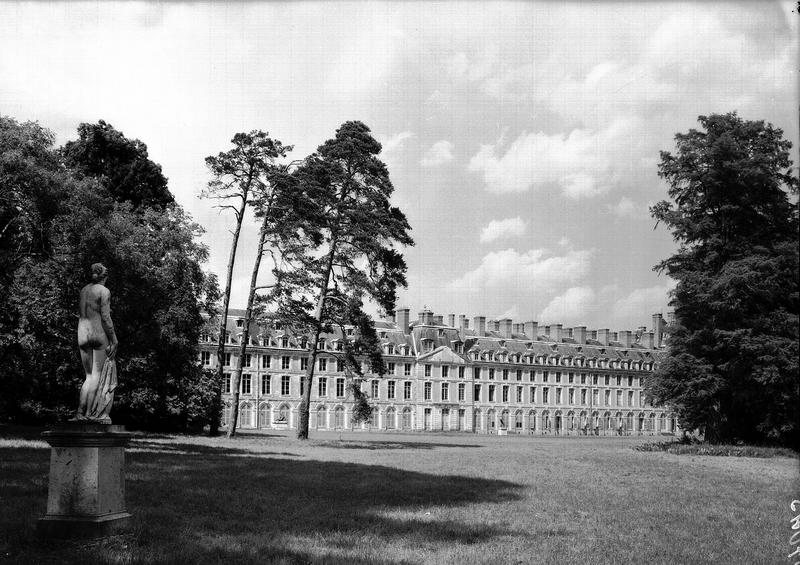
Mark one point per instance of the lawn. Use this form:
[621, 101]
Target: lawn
[385, 499]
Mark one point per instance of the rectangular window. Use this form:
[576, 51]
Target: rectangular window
[266, 361]
[390, 390]
[477, 393]
[619, 398]
[266, 384]
[445, 371]
[583, 379]
[558, 377]
[205, 357]
[407, 369]
[533, 395]
[340, 365]
[246, 384]
[322, 387]
[630, 380]
[303, 363]
[630, 398]
[390, 368]
[583, 396]
[608, 380]
[248, 359]
[461, 372]
[286, 382]
[596, 397]
[491, 374]
[428, 387]
[608, 398]
[323, 364]
[476, 372]
[545, 395]
[407, 390]
[491, 393]
[302, 385]
[559, 398]
[374, 389]
[226, 383]
[285, 362]
[340, 388]
[227, 359]
[427, 370]
[461, 391]
[572, 396]
[445, 392]
[545, 376]
[519, 394]
[571, 378]
[619, 380]
[505, 393]
[505, 374]
[519, 374]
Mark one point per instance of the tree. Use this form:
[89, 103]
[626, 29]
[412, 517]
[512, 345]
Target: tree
[732, 363]
[238, 176]
[350, 254]
[66, 221]
[118, 163]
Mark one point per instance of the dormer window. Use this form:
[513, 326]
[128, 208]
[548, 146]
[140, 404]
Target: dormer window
[427, 345]
[284, 341]
[339, 346]
[350, 331]
[278, 325]
[240, 322]
[458, 347]
[321, 343]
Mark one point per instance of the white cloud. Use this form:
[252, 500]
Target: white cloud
[625, 208]
[394, 142]
[630, 310]
[440, 153]
[534, 270]
[572, 307]
[580, 162]
[497, 229]
[564, 241]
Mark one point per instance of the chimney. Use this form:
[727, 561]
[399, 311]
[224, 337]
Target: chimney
[425, 317]
[593, 334]
[568, 331]
[625, 337]
[531, 329]
[391, 316]
[505, 327]
[555, 332]
[579, 334]
[658, 329]
[479, 323]
[461, 321]
[602, 336]
[451, 320]
[403, 315]
[613, 337]
[438, 319]
[647, 340]
[516, 329]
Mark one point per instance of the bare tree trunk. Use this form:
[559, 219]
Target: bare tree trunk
[305, 403]
[226, 298]
[237, 374]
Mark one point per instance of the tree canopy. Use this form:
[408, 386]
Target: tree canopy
[60, 221]
[732, 363]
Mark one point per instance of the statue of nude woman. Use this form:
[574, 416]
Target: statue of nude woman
[98, 343]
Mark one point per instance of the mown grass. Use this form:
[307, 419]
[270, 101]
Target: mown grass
[415, 499]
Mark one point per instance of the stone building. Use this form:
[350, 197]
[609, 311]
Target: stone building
[494, 376]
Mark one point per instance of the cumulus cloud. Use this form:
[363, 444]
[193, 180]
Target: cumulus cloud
[440, 153]
[579, 162]
[497, 229]
[535, 270]
[625, 208]
[394, 142]
[635, 308]
[571, 307]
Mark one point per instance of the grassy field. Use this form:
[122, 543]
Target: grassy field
[385, 499]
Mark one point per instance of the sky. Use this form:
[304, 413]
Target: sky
[522, 138]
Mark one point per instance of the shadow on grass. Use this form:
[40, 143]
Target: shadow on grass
[375, 445]
[203, 504]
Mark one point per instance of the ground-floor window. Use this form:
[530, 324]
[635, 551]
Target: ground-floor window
[390, 419]
[322, 418]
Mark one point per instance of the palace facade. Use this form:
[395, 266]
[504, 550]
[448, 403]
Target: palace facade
[492, 376]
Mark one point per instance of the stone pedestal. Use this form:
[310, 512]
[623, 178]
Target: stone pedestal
[86, 495]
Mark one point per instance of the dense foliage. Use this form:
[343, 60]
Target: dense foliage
[732, 366]
[346, 253]
[58, 217]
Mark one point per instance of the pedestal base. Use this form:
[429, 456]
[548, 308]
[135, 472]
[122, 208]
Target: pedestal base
[86, 494]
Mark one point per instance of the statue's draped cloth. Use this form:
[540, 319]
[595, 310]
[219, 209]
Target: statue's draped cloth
[105, 392]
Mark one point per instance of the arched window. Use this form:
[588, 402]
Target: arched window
[504, 422]
[532, 420]
[389, 418]
[491, 424]
[406, 420]
[476, 420]
[264, 416]
[246, 415]
[322, 418]
[338, 417]
[226, 414]
[518, 420]
[283, 413]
